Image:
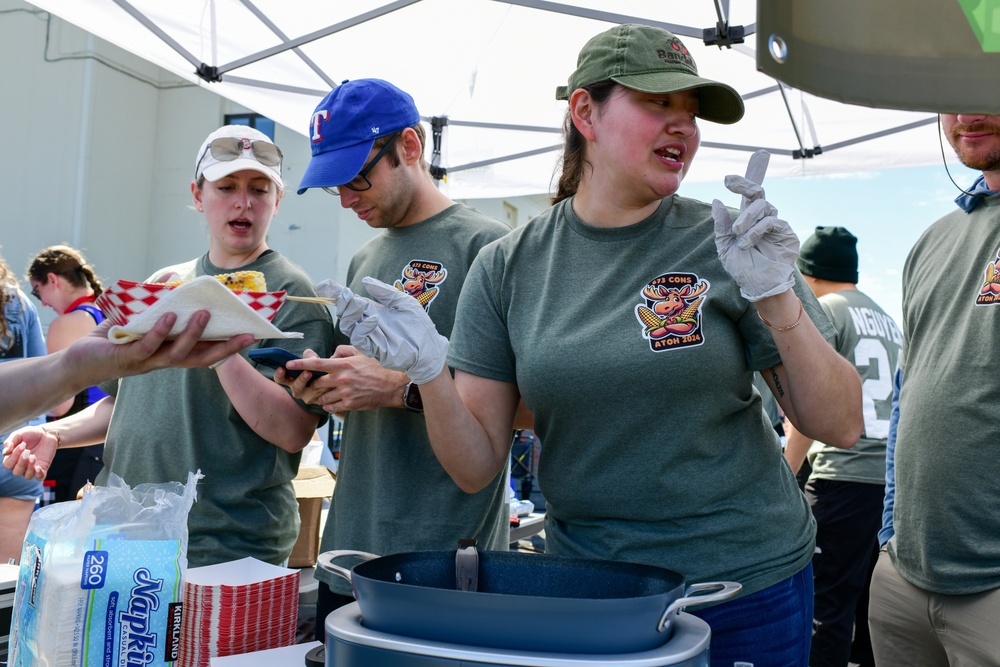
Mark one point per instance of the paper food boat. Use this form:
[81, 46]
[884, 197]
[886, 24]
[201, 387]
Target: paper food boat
[134, 308]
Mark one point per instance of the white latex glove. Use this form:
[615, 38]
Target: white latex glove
[758, 249]
[393, 328]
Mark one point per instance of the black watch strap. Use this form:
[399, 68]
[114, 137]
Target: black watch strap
[411, 398]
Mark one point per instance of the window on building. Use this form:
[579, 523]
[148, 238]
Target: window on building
[260, 123]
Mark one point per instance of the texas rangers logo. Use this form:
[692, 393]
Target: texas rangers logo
[420, 280]
[989, 293]
[671, 314]
[316, 123]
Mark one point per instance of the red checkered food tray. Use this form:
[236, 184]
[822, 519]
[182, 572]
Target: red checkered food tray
[127, 299]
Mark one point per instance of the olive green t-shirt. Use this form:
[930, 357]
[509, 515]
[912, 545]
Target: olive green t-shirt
[178, 420]
[946, 514]
[869, 339]
[392, 494]
[655, 448]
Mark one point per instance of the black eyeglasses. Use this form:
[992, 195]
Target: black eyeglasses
[227, 149]
[34, 292]
[360, 183]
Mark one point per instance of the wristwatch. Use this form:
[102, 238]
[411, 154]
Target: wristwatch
[411, 398]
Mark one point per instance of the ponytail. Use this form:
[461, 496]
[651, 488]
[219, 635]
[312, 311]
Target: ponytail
[574, 161]
[66, 262]
[92, 279]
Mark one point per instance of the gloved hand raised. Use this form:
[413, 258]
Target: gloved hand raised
[758, 249]
[393, 328]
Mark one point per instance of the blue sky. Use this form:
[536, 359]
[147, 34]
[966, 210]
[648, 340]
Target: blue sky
[886, 210]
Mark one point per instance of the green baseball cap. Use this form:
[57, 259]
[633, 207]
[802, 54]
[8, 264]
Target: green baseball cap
[651, 60]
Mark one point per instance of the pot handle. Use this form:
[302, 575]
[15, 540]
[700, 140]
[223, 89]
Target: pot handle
[325, 561]
[723, 591]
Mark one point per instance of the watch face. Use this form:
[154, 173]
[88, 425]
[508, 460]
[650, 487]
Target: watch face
[411, 398]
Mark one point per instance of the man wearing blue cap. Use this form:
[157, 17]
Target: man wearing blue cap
[392, 494]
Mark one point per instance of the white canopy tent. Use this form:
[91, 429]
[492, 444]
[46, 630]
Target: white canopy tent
[491, 68]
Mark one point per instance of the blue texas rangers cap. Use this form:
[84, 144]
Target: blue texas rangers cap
[346, 124]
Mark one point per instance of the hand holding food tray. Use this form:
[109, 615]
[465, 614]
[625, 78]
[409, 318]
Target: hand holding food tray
[134, 308]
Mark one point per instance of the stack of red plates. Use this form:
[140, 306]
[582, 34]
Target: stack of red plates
[237, 607]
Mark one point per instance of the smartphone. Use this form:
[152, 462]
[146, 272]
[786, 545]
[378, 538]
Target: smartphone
[276, 357]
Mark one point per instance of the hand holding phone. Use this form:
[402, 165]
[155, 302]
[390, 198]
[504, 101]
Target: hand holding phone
[276, 357]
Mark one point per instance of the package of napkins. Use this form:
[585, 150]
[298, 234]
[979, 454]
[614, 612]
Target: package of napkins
[100, 578]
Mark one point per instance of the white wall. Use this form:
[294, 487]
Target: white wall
[99, 152]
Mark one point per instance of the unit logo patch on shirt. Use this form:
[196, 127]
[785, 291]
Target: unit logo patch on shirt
[421, 279]
[670, 314]
[989, 293]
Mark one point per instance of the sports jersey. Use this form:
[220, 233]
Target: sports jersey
[392, 493]
[871, 341]
[635, 351]
[947, 510]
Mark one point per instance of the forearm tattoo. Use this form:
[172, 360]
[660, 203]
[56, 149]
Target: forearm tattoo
[777, 383]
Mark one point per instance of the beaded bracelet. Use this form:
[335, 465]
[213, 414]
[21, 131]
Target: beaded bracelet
[785, 328]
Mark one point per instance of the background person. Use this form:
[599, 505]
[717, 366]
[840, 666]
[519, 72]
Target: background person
[627, 314]
[62, 279]
[935, 592]
[392, 494]
[230, 421]
[20, 338]
[846, 487]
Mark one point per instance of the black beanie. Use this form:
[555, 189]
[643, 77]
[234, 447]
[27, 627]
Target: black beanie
[831, 254]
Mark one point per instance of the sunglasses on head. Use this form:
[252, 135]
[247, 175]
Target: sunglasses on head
[227, 149]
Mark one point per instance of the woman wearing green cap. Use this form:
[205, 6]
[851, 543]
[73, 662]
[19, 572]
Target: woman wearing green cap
[630, 321]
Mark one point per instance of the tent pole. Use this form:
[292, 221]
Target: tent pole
[155, 29]
[284, 38]
[318, 34]
[506, 158]
[803, 152]
[608, 17]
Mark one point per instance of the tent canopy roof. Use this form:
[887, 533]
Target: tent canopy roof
[491, 68]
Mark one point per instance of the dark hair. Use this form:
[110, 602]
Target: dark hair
[573, 161]
[392, 156]
[66, 262]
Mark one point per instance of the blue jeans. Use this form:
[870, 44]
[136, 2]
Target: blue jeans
[769, 628]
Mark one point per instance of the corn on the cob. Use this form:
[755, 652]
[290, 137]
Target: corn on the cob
[250, 281]
[689, 312]
[427, 295]
[238, 281]
[423, 298]
[650, 319]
